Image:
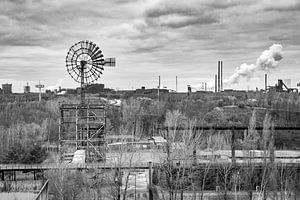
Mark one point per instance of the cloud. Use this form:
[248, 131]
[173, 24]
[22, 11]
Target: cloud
[225, 4]
[283, 6]
[178, 15]
[183, 21]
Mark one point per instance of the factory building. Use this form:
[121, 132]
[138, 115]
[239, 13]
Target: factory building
[7, 88]
[94, 88]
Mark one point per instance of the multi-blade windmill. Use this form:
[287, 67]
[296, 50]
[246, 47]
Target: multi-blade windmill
[84, 124]
[85, 62]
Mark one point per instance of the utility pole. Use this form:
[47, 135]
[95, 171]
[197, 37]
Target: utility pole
[176, 84]
[40, 86]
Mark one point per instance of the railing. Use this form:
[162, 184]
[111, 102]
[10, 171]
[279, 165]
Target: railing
[139, 165]
[43, 194]
[19, 167]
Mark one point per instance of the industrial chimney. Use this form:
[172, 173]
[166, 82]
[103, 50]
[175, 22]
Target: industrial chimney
[266, 82]
[221, 62]
[220, 77]
[216, 82]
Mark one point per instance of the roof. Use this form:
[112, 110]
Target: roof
[158, 139]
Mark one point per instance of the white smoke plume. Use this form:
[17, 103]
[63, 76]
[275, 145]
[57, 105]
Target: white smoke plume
[268, 60]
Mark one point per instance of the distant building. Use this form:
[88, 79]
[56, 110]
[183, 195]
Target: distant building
[94, 88]
[48, 92]
[26, 89]
[189, 89]
[71, 91]
[143, 90]
[7, 88]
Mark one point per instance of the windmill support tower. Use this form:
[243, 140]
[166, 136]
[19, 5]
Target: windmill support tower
[83, 126]
[40, 86]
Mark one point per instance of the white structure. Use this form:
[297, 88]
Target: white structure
[40, 86]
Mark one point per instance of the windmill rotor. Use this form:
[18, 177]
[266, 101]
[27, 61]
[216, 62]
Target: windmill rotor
[84, 62]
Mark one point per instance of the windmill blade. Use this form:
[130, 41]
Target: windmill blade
[92, 48]
[94, 51]
[100, 57]
[86, 47]
[76, 54]
[72, 52]
[89, 47]
[93, 73]
[74, 70]
[87, 44]
[98, 69]
[99, 61]
[96, 54]
[98, 66]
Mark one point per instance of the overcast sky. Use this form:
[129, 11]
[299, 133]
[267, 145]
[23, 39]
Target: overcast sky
[148, 38]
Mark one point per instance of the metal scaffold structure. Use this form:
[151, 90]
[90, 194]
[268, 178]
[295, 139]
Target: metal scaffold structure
[83, 126]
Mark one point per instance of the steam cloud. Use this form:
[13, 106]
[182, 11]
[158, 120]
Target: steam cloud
[268, 60]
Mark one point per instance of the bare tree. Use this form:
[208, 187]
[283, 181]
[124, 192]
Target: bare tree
[57, 179]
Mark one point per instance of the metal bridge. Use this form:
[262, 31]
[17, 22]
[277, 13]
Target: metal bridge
[142, 165]
[69, 166]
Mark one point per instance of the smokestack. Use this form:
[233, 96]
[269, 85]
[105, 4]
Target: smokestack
[219, 69]
[158, 88]
[176, 83]
[266, 82]
[216, 82]
[221, 62]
